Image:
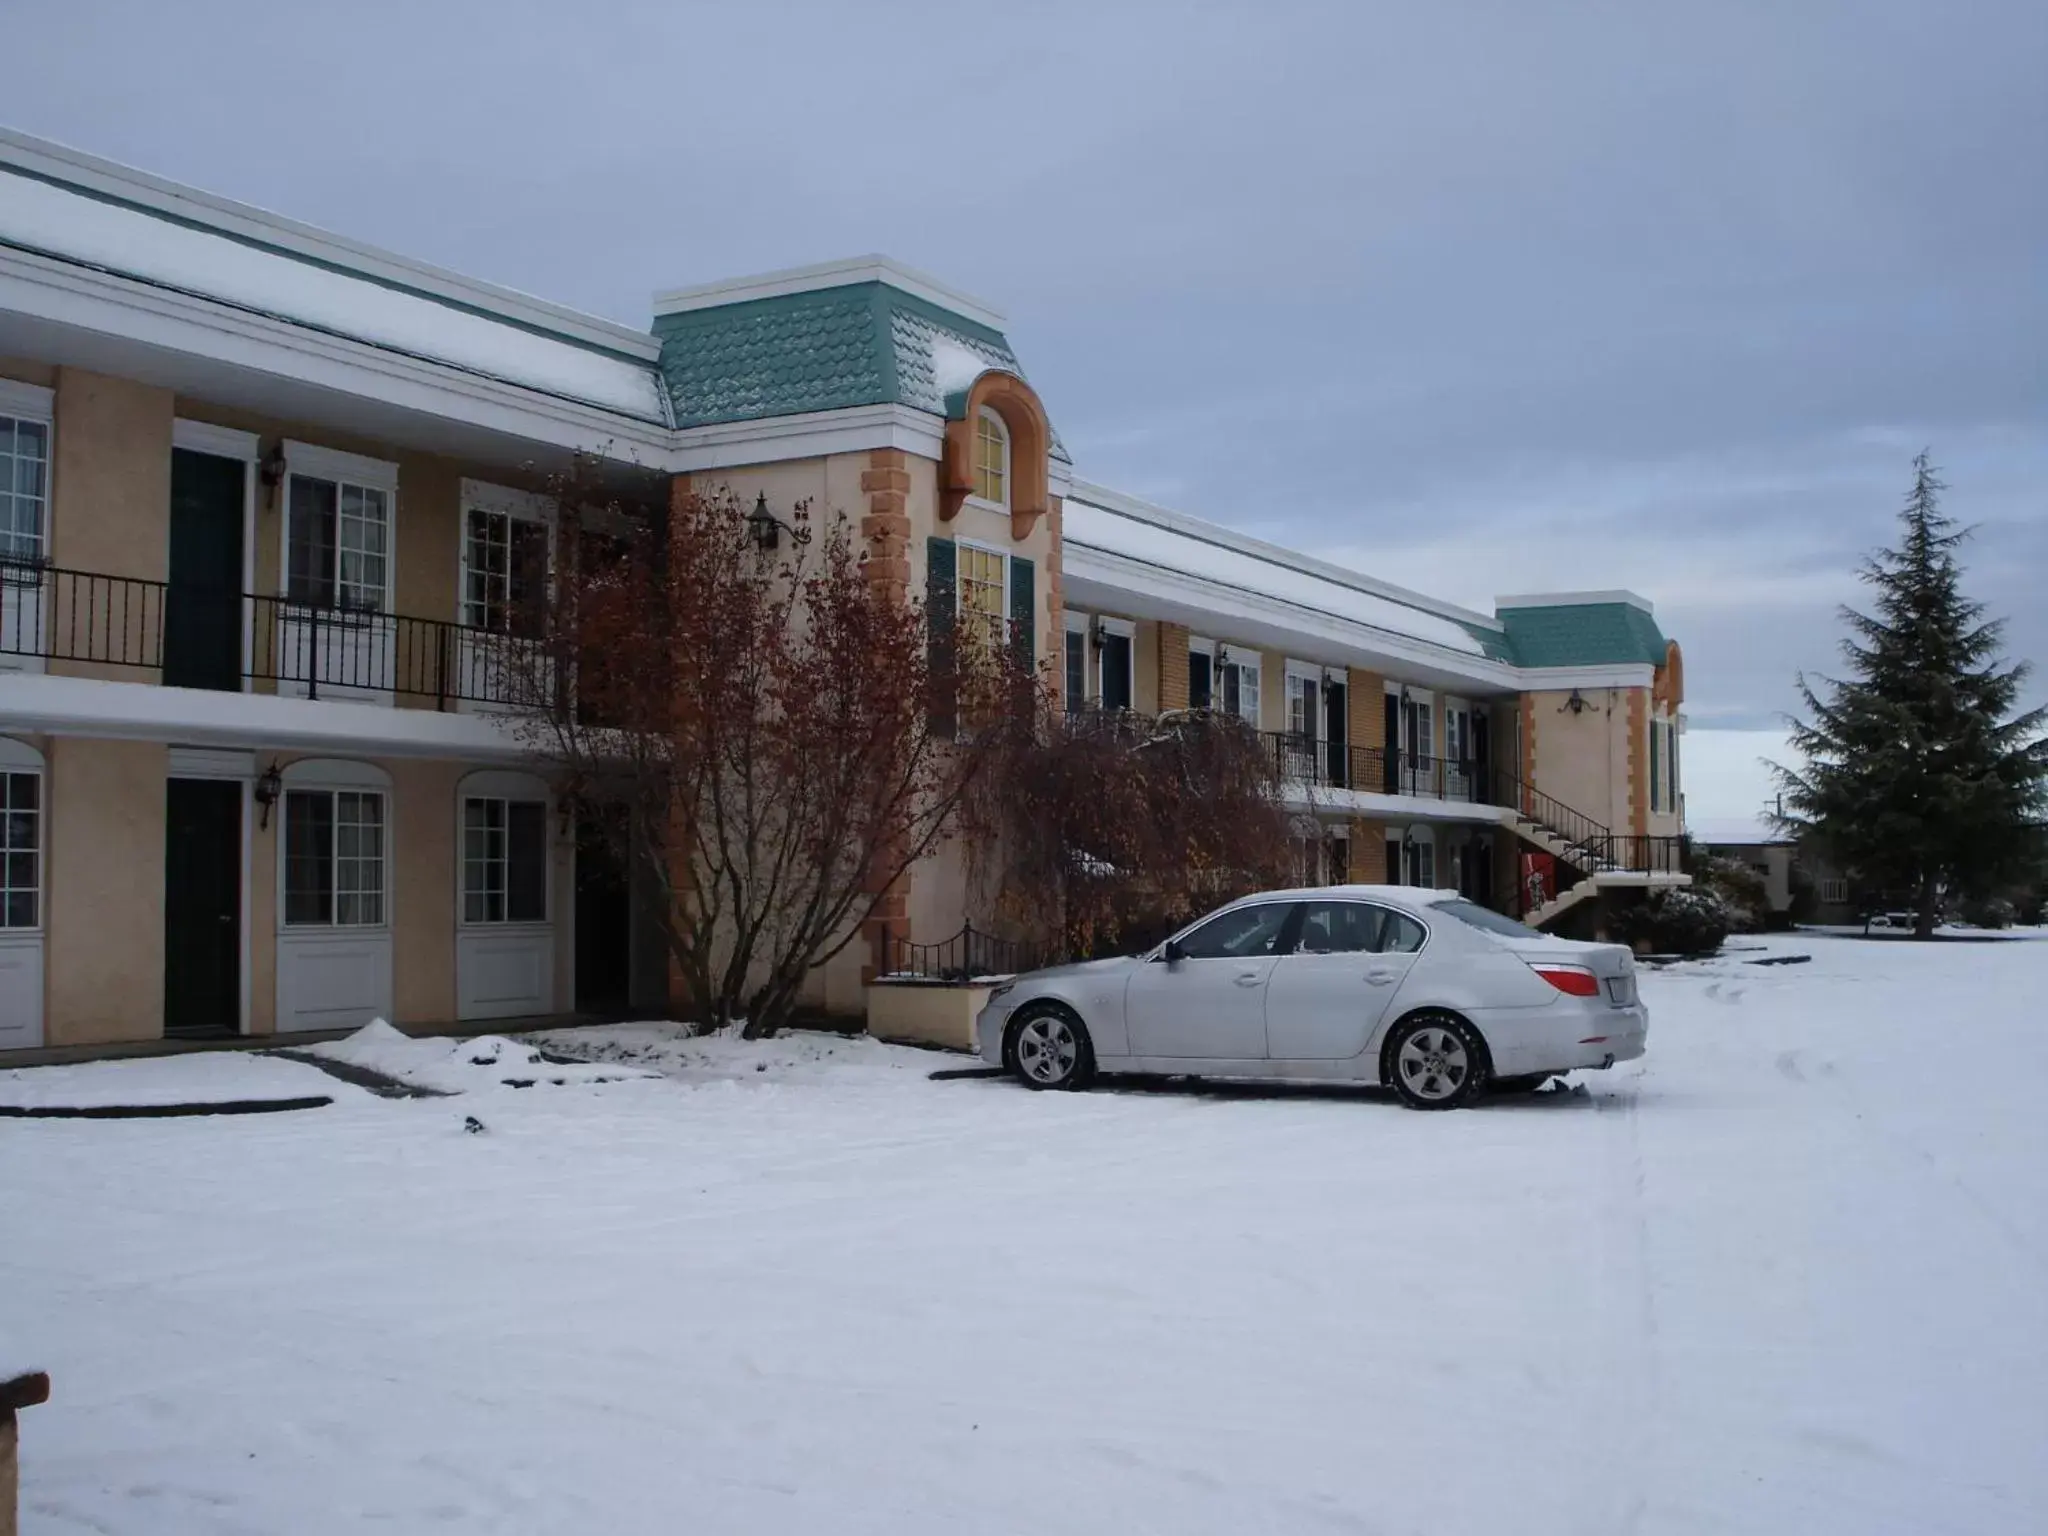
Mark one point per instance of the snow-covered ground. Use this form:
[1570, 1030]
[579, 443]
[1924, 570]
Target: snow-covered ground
[1787, 1273]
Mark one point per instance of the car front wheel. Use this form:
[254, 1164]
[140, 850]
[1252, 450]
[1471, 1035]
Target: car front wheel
[1436, 1061]
[1049, 1049]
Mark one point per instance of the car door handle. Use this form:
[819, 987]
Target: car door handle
[1249, 978]
[1380, 975]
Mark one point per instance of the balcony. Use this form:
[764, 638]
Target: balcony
[95, 625]
[1377, 770]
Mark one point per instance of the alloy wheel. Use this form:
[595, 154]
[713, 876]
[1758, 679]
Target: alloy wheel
[1434, 1063]
[1047, 1049]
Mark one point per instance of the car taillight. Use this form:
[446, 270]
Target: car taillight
[1570, 979]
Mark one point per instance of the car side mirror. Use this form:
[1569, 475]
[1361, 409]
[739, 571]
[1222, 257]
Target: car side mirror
[1171, 952]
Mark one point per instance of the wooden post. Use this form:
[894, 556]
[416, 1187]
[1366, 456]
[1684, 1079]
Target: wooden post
[17, 1392]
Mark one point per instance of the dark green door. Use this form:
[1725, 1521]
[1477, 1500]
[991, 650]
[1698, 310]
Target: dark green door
[203, 612]
[202, 907]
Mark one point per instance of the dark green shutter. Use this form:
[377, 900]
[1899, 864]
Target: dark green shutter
[1023, 611]
[941, 603]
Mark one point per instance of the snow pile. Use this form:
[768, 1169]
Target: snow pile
[448, 1065]
[198, 1077]
[955, 367]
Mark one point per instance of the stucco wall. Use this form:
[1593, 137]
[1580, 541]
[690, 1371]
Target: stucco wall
[26, 371]
[1583, 759]
[104, 950]
[110, 491]
[423, 888]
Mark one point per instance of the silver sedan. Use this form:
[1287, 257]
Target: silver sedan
[1421, 990]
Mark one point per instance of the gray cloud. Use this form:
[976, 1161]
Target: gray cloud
[1479, 296]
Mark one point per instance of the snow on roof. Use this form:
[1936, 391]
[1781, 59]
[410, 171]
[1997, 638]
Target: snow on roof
[1216, 554]
[131, 242]
[1735, 831]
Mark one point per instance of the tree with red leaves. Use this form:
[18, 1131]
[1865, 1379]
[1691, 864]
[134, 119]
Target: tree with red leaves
[780, 729]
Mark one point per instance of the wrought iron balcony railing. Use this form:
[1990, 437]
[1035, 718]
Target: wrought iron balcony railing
[198, 637]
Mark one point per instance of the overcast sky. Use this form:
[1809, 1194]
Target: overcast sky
[1481, 297]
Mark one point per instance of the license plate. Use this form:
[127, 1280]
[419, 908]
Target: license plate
[1621, 990]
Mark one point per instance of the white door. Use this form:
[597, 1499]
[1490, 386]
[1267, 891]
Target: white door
[1210, 1004]
[507, 570]
[504, 934]
[1327, 997]
[1457, 751]
[1418, 748]
[1304, 727]
[21, 617]
[334, 937]
[328, 653]
[21, 896]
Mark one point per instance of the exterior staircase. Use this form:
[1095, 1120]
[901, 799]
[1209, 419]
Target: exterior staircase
[1588, 855]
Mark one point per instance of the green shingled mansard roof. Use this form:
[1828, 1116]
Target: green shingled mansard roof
[863, 343]
[1582, 635]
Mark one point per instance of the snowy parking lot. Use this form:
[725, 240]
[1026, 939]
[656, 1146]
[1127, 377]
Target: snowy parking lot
[1789, 1272]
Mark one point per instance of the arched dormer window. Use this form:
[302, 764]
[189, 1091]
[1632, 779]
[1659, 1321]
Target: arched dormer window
[991, 459]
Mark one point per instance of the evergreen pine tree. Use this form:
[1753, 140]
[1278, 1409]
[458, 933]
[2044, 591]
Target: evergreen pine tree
[1918, 777]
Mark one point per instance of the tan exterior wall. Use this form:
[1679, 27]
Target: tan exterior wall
[104, 947]
[110, 496]
[1172, 666]
[1365, 700]
[1586, 760]
[1272, 692]
[25, 371]
[925, 1015]
[1145, 661]
[423, 889]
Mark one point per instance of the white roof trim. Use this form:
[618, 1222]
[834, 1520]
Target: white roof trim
[319, 463]
[221, 442]
[25, 402]
[100, 234]
[1574, 600]
[68, 294]
[830, 274]
[61, 163]
[487, 496]
[1214, 533]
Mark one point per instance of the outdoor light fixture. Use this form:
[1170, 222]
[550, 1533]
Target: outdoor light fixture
[268, 787]
[272, 468]
[767, 527]
[1576, 703]
[1098, 633]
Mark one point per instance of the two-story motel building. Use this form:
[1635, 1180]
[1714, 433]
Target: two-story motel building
[268, 494]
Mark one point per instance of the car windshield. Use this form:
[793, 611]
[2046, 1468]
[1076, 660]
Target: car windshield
[1486, 920]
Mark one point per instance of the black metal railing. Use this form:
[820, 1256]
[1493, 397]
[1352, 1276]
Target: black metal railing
[1301, 759]
[968, 954]
[211, 638]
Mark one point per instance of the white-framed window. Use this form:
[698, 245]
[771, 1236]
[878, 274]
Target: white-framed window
[1304, 701]
[338, 511]
[1115, 662]
[504, 860]
[506, 535]
[1237, 683]
[21, 849]
[1075, 633]
[24, 472]
[334, 860]
[991, 458]
[982, 581]
[1834, 891]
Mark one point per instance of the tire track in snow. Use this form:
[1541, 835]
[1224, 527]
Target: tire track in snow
[1625, 1225]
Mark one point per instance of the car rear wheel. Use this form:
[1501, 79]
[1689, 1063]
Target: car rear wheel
[1049, 1048]
[1435, 1061]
